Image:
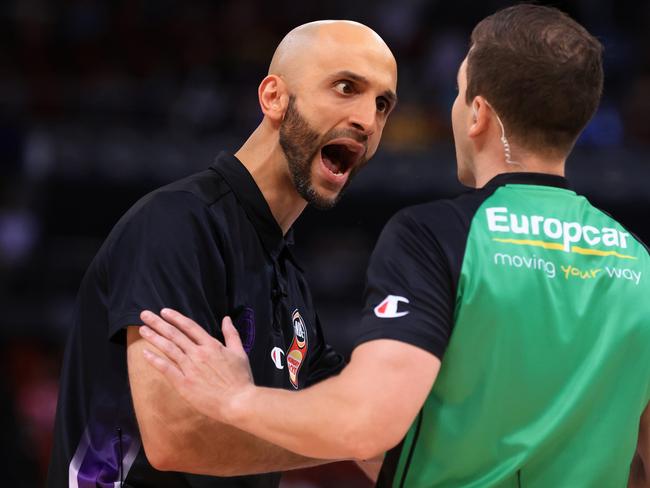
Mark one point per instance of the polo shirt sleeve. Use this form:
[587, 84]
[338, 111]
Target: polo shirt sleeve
[164, 255]
[325, 361]
[409, 290]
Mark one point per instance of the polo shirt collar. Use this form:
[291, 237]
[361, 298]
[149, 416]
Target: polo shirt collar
[253, 202]
[542, 179]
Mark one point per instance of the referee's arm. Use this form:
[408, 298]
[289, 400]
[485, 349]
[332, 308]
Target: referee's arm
[640, 469]
[177, 438]
[359, 414]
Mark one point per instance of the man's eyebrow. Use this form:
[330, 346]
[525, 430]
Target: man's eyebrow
[351, 75]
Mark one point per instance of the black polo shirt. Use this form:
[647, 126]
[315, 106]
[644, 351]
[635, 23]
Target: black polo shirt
[207, 246]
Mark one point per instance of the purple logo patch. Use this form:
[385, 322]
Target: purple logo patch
[245, 324]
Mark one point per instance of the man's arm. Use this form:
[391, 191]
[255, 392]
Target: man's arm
[362, 412]
[178, 438]
[158, 255]
[640, 468]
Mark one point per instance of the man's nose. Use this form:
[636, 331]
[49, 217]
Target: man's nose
[364, 116]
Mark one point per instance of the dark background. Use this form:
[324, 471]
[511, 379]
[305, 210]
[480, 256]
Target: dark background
[102, 101]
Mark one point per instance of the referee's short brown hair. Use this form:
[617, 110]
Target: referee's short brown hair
[540, 70]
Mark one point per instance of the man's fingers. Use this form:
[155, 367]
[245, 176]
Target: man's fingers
[161, 327]
[231, 336]
[167, 347]
[191, 329]
[165, 366]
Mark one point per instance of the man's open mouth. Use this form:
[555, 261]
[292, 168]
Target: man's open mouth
[339, 157]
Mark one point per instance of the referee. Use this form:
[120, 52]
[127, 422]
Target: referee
[506, 336]
[217, 243]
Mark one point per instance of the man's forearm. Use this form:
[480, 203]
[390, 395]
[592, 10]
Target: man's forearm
[295, 421]
[359, 414]
[176, 437]
[216, 449]
[326, 421]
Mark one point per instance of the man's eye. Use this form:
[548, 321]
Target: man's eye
[382, 105]
[344, 87]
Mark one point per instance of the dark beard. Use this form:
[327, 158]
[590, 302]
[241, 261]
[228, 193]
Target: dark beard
[301, 144]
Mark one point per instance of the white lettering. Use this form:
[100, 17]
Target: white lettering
[626, 274]
[572, 232]
[519, 227]
[533, 262]
[534, 221]
[589, 229]
[553, 234]
[623, 236]
[549, 268]
[610, 236]
[499, 219]
[494, 219]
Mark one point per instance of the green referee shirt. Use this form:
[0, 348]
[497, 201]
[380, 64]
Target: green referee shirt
[538, 305]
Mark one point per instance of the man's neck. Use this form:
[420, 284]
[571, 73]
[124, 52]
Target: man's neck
[528, 163]
[264, 159]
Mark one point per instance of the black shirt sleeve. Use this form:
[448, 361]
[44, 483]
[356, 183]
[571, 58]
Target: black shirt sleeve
[409, 291]
[325, 361]
[163, 254]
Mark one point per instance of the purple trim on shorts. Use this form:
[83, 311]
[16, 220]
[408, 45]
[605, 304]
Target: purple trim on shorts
[102, 461]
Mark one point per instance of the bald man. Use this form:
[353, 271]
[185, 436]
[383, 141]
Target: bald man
[215, 244]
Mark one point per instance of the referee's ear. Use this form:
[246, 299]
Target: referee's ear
[273, 98]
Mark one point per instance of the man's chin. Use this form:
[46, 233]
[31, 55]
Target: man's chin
[321, 201]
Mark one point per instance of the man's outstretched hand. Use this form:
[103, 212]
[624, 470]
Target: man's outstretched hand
[212, 377]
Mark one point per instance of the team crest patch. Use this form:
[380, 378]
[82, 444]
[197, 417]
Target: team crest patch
[245, 325]
[298, 351]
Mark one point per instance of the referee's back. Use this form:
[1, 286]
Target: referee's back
[547, 371]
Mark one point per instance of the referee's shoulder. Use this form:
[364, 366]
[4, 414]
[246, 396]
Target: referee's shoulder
[443, 212]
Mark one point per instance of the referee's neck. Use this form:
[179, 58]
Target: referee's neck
[484, 171]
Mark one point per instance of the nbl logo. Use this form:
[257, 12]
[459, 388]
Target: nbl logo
[297, 353]
[299, 330]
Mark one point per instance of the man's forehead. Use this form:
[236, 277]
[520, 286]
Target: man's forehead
[369, 62]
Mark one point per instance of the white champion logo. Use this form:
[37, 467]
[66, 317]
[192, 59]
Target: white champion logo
[276, 356]
[387, 309]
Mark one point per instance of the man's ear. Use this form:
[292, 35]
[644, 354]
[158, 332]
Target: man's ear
[480, 116]
[273, 97]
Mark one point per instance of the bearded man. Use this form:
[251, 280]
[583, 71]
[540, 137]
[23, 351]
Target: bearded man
[214, 244]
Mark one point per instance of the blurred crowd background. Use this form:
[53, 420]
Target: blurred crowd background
[102, 101]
